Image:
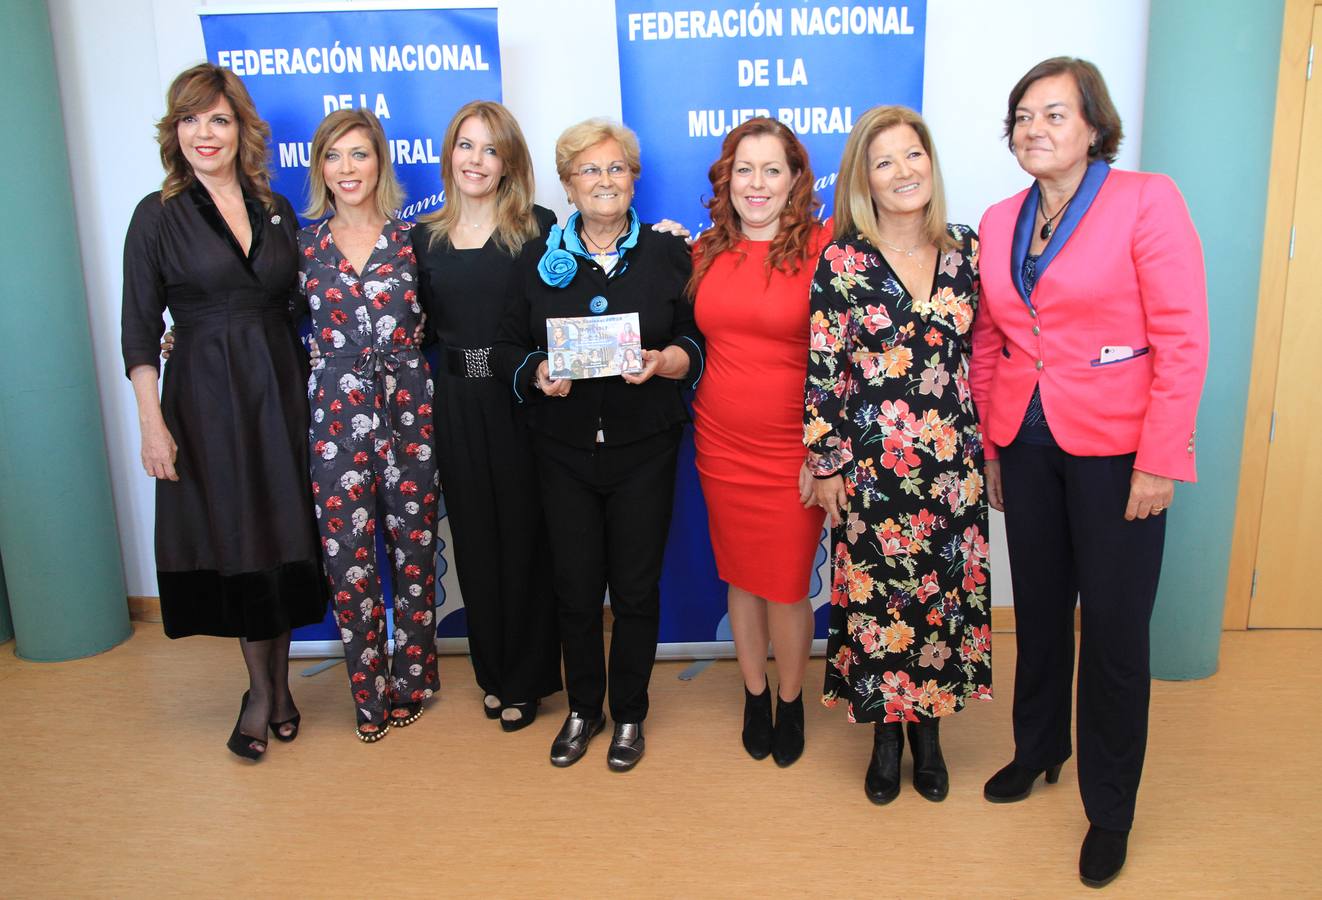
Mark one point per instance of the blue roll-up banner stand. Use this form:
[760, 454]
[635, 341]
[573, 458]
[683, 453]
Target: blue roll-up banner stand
[413, 68]
[689, 73]
[687, 76]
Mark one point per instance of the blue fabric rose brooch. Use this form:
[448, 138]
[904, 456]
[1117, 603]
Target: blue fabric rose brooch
[557, 266]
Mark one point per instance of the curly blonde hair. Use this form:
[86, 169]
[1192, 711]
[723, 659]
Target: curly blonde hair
[590, 132]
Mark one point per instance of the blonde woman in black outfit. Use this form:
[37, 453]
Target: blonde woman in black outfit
[466, 254]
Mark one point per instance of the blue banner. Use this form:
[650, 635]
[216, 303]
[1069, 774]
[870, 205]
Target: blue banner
[688, 76]
[413, 68]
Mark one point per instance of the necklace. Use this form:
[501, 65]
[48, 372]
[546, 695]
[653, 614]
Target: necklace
[604, 253]
[608, 247]
[889, 246]
[1048, 228]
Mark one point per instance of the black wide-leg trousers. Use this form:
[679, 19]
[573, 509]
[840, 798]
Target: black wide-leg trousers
[608, 514]
[1067, 536]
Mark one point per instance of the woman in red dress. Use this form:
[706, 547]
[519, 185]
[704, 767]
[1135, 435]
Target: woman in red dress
[751, 275]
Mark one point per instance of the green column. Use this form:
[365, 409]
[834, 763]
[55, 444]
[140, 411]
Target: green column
[1207, 122]
[6, 621]
[57, 526]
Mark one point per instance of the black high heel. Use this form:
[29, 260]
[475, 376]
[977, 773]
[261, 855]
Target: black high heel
[527, 715]
[882, 782]
[240, 744]
[1015, 782]
[414, 713]
[1102, 856]
[757, 732]
[371, 737]
[287, 723]
[492, 712]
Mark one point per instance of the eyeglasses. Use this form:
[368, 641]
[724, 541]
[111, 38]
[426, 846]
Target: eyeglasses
[591, 171]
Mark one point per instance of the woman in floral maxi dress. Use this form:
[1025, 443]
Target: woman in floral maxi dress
[895, 447]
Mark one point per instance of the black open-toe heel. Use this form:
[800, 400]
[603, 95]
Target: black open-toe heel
[291, 724]
[527, 715]
[240, 744]
[493, 712]
[414, 711]
[371, 737]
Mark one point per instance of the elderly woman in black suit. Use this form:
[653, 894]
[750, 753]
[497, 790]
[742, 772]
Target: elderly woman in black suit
[605, 447]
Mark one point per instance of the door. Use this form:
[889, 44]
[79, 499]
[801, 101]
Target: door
[1288, 570]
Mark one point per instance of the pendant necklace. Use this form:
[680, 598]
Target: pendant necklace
[1048, 226]
[604, 252]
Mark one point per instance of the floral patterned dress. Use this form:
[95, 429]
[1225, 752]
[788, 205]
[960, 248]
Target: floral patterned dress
[888, 408]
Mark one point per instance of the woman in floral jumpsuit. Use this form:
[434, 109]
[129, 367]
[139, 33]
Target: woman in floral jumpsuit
[371, 432]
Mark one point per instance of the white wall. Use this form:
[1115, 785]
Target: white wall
[559, 64]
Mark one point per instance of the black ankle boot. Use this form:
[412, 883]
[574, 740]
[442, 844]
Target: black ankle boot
[930, 777]
[1102, 856]
[787, 745]
[882, 783]
[757, 722]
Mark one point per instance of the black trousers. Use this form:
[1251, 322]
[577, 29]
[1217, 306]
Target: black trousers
[499, 534]
[1067, 535]
[608, 515]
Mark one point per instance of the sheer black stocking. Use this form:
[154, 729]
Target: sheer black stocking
[254, 721]
[282, 699]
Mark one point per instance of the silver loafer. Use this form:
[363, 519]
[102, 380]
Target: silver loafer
[572, 741]
[627, 746]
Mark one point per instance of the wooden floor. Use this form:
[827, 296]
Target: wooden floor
[114, 781]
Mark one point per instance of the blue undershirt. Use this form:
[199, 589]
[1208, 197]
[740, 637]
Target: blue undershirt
[1034, 429]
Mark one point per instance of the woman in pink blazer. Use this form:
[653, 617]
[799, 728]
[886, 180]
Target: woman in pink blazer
[1089, 353]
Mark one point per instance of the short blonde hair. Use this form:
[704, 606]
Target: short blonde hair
[855, 213]
[389, 193]
[588, 133]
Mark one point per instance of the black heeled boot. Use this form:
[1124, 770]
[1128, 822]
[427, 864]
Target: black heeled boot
[1015, 782]
[930, 777]
[787, 744]
[757, 722]
[882, 783]
[1102, 856]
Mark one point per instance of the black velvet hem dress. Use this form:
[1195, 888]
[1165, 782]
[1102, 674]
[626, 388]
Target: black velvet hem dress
[237, 552]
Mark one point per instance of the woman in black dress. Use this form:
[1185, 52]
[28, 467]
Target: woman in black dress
[236, 543]
[466, 254]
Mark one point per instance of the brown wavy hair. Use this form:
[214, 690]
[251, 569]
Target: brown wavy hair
[194, 91]
[389, 194]
[855, 212]
[515, 221]
[793, 245]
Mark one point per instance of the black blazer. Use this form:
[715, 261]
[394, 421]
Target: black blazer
[649, 279]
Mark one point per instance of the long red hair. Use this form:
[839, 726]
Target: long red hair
[793, 244]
